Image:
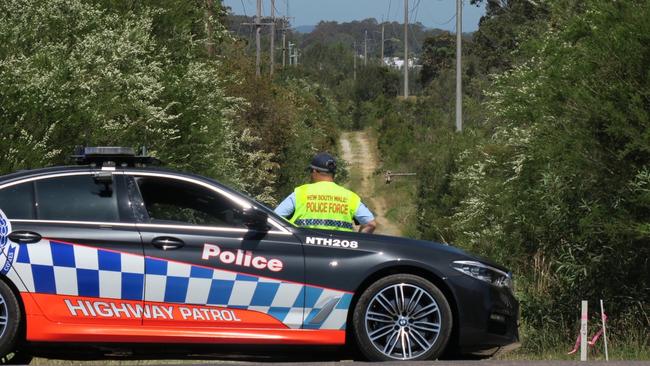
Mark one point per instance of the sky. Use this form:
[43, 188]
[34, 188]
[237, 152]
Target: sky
[431, 13]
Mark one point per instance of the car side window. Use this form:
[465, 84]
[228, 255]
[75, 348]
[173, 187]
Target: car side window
[17, 202]
[172, 201]
[76, 198]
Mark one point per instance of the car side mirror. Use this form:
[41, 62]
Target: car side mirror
[255, 219]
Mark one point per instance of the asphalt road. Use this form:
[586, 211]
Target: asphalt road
[343, 363]
[458, 363]
[453, 363]
[290, 357]
[240, 355]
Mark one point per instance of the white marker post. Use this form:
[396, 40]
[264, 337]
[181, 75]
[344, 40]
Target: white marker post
[602, 318]
[583, 332]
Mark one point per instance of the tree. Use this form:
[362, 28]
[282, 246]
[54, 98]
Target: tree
[560, 190]
[503, 28]
[78, 73]
[438, 53]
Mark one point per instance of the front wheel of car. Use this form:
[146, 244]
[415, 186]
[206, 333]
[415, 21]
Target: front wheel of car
[10, 315]
[402, 317]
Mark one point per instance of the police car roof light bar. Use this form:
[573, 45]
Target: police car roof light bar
[111, 155]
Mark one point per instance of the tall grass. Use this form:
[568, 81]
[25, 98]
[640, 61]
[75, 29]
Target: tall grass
[626, 341]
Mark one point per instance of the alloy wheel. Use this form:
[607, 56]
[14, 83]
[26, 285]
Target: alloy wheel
[403, 321]
[4, 316]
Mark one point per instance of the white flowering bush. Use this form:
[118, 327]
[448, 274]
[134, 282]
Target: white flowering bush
[74, 72]
[559, 190]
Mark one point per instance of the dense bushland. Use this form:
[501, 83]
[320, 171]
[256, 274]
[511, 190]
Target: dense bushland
[165, 75]
[551, 174]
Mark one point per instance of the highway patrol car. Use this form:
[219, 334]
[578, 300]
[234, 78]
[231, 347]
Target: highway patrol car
[116, 251]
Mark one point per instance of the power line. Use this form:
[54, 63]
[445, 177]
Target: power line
[244, 8]
[390, 2]
[414, 10]
[394, 33]
[447, 22]
[286, 6]
[274, 7]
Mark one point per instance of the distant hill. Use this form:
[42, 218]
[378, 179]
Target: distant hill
[304, 28]
[346, 33]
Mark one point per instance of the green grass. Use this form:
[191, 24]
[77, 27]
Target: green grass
[399, 195]
[355, 176]
[624, 344]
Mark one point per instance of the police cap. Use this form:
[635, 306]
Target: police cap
[323, 162]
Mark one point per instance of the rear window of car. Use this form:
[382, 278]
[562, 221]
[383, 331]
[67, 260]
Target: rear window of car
[17, 202]
[76, 198]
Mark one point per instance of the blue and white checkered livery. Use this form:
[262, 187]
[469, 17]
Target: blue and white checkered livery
[54, 267]
[7, 248]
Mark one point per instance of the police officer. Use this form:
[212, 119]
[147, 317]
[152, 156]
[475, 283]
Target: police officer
[324, 204]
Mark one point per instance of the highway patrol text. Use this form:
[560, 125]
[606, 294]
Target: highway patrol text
[110, 309]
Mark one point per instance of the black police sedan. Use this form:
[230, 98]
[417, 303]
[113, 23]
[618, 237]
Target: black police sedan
[114, 251]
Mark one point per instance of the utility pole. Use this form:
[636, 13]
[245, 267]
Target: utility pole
[284, 42]
[406, 48]
[258, 43]
[290, 53]
[296, 54]
[459, 71]
[272, 57]
[382, 43]
[365, 49]
[293, 54]
[285, 27]
[209, 29]
[354, 75]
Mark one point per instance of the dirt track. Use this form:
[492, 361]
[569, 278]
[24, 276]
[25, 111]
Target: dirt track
[359, 150]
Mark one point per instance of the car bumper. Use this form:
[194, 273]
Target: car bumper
[487, 317]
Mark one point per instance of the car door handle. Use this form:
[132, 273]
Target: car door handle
[25, 237]
[167, 243]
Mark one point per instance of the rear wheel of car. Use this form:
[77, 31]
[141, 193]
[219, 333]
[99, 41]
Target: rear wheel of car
[402, 317]
[10, 315]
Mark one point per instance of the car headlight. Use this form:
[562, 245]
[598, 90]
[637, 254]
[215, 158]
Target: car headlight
[483, 272]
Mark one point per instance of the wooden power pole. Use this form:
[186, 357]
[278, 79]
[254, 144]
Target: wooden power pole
[459, 70]
[258, 42]
[382, 44]
[354, 67]
[272, 56]
[365, 49]
[406, 48]
[284, 42]
[209, 29]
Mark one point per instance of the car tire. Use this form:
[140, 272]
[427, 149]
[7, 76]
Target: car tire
[402, 317]
[10, 317]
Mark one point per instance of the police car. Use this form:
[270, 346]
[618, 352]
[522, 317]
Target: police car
[116, 250]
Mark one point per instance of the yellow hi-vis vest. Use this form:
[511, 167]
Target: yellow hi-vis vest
[325, 205]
